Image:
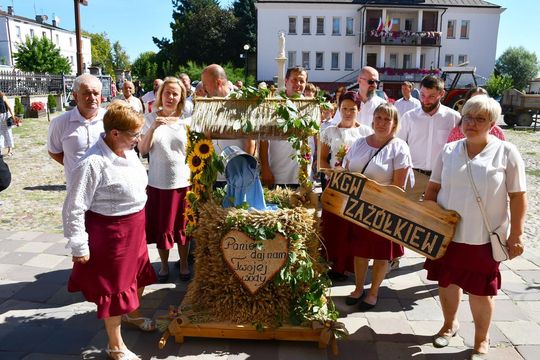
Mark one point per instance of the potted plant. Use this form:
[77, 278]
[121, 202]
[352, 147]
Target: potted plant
[51, 103]
[18, 108]
[37, 109]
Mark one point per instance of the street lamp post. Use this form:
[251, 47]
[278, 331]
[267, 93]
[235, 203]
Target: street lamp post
[246, 49]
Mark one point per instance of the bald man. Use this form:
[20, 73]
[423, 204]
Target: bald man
[128, 89]
[149, 98]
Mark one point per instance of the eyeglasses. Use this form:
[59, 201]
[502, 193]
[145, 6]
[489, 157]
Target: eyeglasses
[371, 82]
[476, 120]
[133, 134]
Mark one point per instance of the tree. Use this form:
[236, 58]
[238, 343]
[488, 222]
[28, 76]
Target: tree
[201, 32]
[120, 57]
[145, 68]
[246, 27]
[496, 84]
[40, 55]
[519, 64]
[101, 51]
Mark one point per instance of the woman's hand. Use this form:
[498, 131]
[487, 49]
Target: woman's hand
[80, 259]
[515, 246]
[160, 120]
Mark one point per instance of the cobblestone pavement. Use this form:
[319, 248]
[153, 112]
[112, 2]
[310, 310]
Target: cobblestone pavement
[39, 319]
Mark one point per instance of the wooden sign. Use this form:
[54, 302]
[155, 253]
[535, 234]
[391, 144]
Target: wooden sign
[423, 227]
[254, 267]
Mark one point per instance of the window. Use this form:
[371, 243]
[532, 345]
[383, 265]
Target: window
[320, 26]
[336, 25]
[451, 29]
[462, 59]
[319, 61]
[292, 26]
[57, 40]
[393, 61]
[349, 30]
[335, 61]
[348, 61]
[408, 24]
[407, 61]
[44, 34]
[305, 59]
[18, 31]
[448, 60]
[306, 24]
[71, 60]
[291, 55]
[464, 34]
[422, 61]
[70, 41]
[32, 34]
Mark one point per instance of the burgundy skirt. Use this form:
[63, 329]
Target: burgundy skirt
[165, 222]
[471, 267]
[118, 264]
[337, 234]
[369, 245]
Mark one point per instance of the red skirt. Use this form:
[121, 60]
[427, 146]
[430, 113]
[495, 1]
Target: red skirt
[118, 264]
[369, 245]
[165, 222]
[337, 233]
[471, 267]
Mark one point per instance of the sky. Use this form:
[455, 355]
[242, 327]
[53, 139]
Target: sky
[135, 22]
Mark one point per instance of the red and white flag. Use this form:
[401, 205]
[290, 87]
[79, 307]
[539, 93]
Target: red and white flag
[380, 27]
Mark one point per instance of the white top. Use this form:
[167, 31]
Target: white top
[403, 105]
[335, 137]
[134, 102]
[394, 156]
[105, 184]
[167, 167]
[497, 171]
[148, 99]
[73, 135]
[188, 107]
[365, 115]
[282, 162]
[426, 134]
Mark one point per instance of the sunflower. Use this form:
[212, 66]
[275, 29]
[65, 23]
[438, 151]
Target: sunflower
[195, 162]
[190, 216]
[204, 148]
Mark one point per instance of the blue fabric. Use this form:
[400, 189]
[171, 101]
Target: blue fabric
[243, 184]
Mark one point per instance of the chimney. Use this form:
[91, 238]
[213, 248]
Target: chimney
[10, 10]
[39, 19]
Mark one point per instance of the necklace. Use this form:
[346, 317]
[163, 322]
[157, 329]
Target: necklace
[162, 111]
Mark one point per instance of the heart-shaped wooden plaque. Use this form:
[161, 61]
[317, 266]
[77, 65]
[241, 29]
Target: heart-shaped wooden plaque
[254, 267]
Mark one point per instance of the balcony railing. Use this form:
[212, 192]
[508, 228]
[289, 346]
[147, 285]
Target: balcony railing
[400, 75]
[411, 38]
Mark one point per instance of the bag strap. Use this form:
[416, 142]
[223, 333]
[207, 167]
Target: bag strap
[476, 194]
[378, 150]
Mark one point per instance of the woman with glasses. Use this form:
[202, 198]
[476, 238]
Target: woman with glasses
[386, 159]
[335, 141]
[165, 139]
[496, 169]
[103, 218]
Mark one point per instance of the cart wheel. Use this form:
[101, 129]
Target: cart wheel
[524, 119]
[457, 103]
[510, 119]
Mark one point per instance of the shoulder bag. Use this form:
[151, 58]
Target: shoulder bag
[498, 236]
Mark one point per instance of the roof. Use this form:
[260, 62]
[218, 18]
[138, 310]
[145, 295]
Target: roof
[412, 3]
[33, 21]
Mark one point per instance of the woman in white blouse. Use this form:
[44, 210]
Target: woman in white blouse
[104, 224]
[165, 139]
[334, 139]
[498, 173]
[386, 159]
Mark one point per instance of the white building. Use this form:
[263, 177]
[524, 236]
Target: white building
[14, 30]
[403, 39]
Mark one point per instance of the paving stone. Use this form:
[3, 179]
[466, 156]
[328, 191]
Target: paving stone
[519, 292]
[62, 296]
[505, 353]
[48, 237]
[448, 353]
[24, 235]
[47, 261]
[395, 330]
[520, 263]
[528, 352]
[497, 338]
[389, 350]
[521, 332]
[58, 249]
[37, 292]
[42, 356]
[530, 276]
[26, 337]
[17, 258]
[531, 308]
[22, 272]
[63, 340]
[511, 276]
[34, 247]
[358, 329]
[351, 350]
[386, 308]
[11, 311]
[8, 288]
[507, 310]
[264, 350]
[11, 355]
[424, 309]
[4, 271]
[309, 350]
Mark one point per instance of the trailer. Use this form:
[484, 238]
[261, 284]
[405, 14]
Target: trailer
[519, 108]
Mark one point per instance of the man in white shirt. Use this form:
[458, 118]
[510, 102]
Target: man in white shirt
[149, 98]
[407, 102]
[188, 106]
[215, 84]
[75, 131]
[128, 89]
[425, 129]
[277, 157]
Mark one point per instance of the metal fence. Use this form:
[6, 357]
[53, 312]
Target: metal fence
[15, 83]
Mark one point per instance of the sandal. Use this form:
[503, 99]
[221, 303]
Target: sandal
[121, 354]
[147, 324]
